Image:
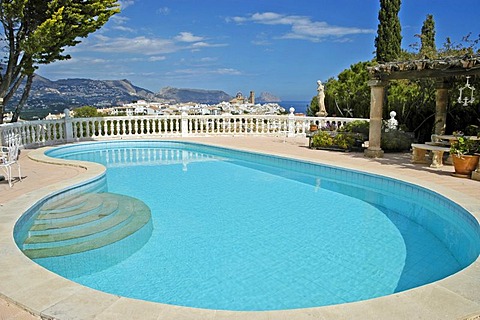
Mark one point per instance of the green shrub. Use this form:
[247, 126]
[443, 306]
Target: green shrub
[357, 126]
[472, 130]
[322, 139]
[340, 140]
[344, 141]
[396, 141]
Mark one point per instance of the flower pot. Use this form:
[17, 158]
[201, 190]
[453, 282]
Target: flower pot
[313, 127]
[464, 165]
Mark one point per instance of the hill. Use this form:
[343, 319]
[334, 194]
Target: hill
[47, 96]
[80, 92]
[267, 97]
[193, 95]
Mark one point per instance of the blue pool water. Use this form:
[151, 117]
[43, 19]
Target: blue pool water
[240, 231]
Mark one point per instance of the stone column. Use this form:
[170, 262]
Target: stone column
[377, 93]
[291, 123]
[68, 126]
[184, 126]
[441, 101]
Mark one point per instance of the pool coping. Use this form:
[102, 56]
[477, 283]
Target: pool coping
[455, 297]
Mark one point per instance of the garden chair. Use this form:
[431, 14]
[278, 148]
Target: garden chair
[8, 157]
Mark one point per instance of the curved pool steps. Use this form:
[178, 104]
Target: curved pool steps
[84, 223]
[82, 206]
[100, 206]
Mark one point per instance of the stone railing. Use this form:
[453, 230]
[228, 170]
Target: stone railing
[50, 132]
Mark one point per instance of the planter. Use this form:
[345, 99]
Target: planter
[464, 165]
[313, 127]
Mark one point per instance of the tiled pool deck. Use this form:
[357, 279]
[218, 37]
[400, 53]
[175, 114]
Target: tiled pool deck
[29, 292]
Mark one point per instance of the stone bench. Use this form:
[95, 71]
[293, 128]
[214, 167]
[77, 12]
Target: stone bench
[419, 152]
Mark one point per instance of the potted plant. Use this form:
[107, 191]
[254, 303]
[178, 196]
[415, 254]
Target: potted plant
[463, 155]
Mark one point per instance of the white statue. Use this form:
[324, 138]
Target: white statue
[392, 123]
[322, 112]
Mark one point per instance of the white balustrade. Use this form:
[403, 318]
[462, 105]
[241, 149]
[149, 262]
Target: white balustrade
[50, 132]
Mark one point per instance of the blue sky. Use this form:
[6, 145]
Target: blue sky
[278, 46]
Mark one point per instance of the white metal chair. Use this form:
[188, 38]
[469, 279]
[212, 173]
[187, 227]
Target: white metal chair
[8, 157]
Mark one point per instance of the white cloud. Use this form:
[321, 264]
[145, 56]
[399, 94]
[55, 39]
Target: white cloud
[125, 3]
[156, 58]
[139, 45]
[143, 45]
[208, 59]
[201, 44]
[204, 71]
[188, 37]
[119, 23]
[163, 11]
[227, 71]
[301, 27]
[122, 28]
[118, 19]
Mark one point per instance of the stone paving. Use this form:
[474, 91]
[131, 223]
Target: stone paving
[456, 297]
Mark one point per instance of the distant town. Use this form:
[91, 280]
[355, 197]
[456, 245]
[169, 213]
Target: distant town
[238, 105]
[48, 99]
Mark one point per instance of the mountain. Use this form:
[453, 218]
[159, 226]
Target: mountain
[47, 96]
[267, 97]
[193, 95]
[80, 92]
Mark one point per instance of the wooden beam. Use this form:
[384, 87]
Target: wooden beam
[424, 73]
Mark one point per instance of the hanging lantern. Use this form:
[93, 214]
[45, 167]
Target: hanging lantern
[465, 100]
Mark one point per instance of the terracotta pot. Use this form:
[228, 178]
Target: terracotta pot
[313, 127]
[464, 165]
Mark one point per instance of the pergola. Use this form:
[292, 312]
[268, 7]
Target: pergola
[442, 70]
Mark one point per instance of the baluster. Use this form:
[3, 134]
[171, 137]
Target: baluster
[105, 128]
[95, 130]
[87, 126]
[51, 132]
[160, 126]
[125, 129]
[41, 132]
[142, 126]
[125, 126]
[196, 125]
[29, 134]
[44, 131]
[154, 126]
[59, 136]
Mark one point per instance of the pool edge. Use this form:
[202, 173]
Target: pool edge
[445, 297]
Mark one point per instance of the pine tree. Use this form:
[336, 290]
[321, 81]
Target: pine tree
[389, 39]
[427, 38]
[37, 32]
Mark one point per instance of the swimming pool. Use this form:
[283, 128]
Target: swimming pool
[323, 250]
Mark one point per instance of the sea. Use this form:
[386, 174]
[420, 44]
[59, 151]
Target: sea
[300, 106]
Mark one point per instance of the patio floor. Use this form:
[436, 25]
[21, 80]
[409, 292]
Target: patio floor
[456, 297]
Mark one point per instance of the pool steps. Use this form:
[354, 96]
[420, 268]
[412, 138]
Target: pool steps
[84, 223]
[48, 223]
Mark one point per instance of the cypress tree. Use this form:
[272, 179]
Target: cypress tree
[427, 38]
[389, 39]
